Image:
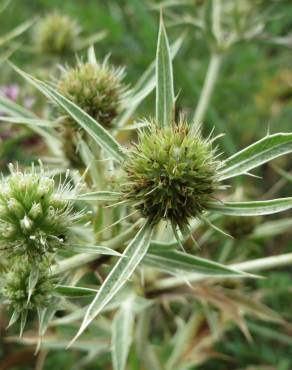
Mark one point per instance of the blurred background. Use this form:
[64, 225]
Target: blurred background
[253, 94]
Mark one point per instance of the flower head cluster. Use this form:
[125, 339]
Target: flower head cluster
[171, 174]
[15, 287]
[96, 88]
[34, 217]
[56, 34]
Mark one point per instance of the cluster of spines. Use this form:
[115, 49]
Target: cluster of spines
[172, 173]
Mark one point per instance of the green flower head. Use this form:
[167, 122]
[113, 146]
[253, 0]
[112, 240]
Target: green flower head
[96, 88]
[171, 174]
[34, 217]
[15, 287]
[56, 34]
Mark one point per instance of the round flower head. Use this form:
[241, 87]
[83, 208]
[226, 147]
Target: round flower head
[171, 174]
[96, 88]
[15, 288]
[56, 34]
[34, 218]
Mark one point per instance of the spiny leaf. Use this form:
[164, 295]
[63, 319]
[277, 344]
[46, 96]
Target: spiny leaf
[164, 80]
[264, 150]
[119, 275]
[257, 208]
[32, 280]
[174, 261]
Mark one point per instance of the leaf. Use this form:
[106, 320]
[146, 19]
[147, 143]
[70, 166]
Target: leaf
[145, 85]
[15, 316]
[264, 150]
[10, 107]
[175, 262]
[16, 32]
[28, 121]
[102, 196]
[46, 315]
[119, 275]
[32, 280]
[23, 319]
[74, 291]
[164, 80]
[93, 249]
[122, 334]
[272, 228]
[257, 208]
[92, 127]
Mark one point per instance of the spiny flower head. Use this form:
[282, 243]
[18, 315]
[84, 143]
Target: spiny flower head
[34, 217]
[96, 88]
[15, 287]
[171, 173]
[56, 34]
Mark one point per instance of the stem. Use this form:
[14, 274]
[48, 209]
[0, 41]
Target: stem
[207, 91]
[83, 258]
[259, 264]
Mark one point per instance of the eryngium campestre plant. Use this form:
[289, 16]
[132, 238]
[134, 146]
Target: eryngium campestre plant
[15, 287]
[34, 217]
[96, 88]
[56, 34]
[171, 173]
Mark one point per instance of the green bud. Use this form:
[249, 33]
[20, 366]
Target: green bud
[56, 34]
[15, 287]
[34, 219]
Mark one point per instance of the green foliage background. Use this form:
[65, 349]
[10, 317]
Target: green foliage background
[253, 93]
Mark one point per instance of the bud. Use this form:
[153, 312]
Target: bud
[34, 218]
[96, 88]
[56, 34]
[15, 287]
[99, 91]
[171, 173]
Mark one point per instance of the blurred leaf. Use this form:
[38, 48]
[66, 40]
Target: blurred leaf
[93, 249]
[74, 291]
[122, 334]
[96, 196]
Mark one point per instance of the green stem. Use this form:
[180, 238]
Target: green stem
[208, 88]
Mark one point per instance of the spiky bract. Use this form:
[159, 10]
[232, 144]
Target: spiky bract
[34, 218]
[15, 287]
[171, 173]
[96, 88]
[56, 34]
